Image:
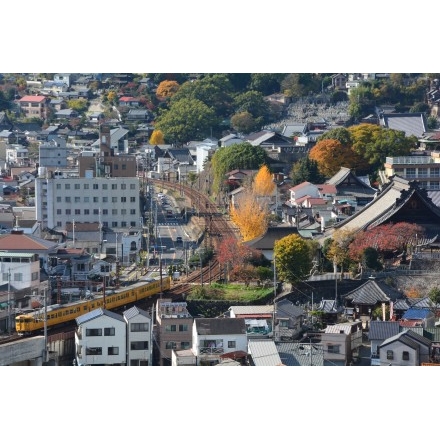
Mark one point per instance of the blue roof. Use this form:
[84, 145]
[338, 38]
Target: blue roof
[416, 314]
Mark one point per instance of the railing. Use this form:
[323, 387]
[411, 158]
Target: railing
[211, 350]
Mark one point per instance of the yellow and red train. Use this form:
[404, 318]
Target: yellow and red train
[62, 313]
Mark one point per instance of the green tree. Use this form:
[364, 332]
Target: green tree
[187, 119]
[293, 261]
[434, 295]
[340, 134]
[214, 90]
[80, 105]
[266, 83]
[254, 103]
[242, 155]
[433, 122]
[306, 170]
[243, 122]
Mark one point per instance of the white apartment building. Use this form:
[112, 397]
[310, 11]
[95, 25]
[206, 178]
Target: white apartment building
[62, 199]
[53, 154]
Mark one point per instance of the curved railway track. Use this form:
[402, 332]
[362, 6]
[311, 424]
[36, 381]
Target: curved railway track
[217, 228]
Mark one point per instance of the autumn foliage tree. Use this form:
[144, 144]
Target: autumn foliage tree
[236, 256]
[250, 214]
[389, 239]
[166, 89]
[263, 184]
[330, 155]
[156, 138]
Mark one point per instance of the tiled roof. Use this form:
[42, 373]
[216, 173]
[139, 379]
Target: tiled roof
[267, 241]
[95, 314]
[135, 311]
[32, 98]
[412, 124]
[371, 292]
[286, 309]
[18, 241]
[298, 354]
[381, 330]
[264, 353]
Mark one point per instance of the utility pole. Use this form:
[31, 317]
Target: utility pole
[275, 297]
[46, 351]
[9, 301]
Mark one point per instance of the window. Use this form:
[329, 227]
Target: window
[104, 186]
[35, 276]
[95, 199]
[170, 345]
[58, 211]
[114, 186]
[67, 186]
[18, 277]
[132, 199]
[139, 345]
[183, 327]
[184, 345]
[95, 186]
[77, 211]
[109, 331]
[123, 199]
[86, 211]
[123, 224]
[94, 332]
[93, 351]
[86, 186]
[77, 199]
[114, 199]
[123, 212]
[68, 211]
[105, 212]
[132, 186]
[114, 224]
[133, 224]
[139, 327]
[58, 185]
[113, 351]
[86, 199]
[68, 199]
[124, 166]
[405, 356]
[115, 166]
[335, 349]
[114, 212]
[96, 212]
[105, 200]
[59, 199]
[390, 355]
[77, 186]
[123, 186]
[231, 344]
[171, 328]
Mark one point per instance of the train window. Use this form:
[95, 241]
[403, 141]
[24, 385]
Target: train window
[85, 308]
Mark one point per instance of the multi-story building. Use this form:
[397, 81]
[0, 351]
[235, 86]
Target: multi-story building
[33, 106]
[61, 198]
[424, 168]
[53, 154]
[139, 337]
[173, 330]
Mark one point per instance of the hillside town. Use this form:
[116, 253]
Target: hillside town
[131, 203]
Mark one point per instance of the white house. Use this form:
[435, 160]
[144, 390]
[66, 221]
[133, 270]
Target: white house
[139, 337]
[215, 337]
[303, 189]
[100, 338]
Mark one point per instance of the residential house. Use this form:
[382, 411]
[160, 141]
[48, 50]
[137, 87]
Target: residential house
[341, 342]
[53, 154]
[54, 87]
[66, 78]
[289, 320]
[213, 338]
[139, 337]
[33, 106]
[128, 101]
[100, 338]
[66, 114]
[380, 331]
[258, 318]
[173, 329]
[339, 81]
[306, 353]
[407, 348]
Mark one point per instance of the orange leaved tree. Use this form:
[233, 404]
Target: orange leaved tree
[263, 184]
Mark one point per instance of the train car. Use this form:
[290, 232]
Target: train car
[61, 313]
